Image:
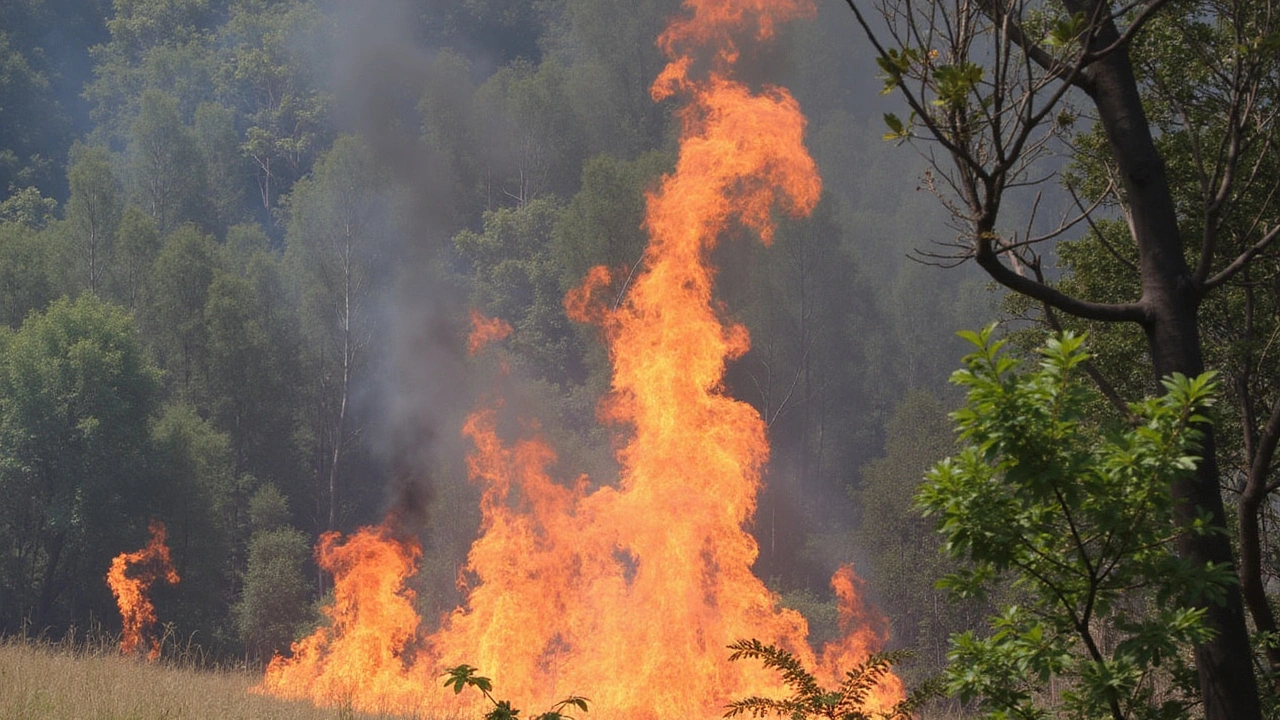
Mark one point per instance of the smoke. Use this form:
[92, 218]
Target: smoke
[421, 391]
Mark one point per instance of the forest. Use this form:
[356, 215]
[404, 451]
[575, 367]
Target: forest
[242, 243]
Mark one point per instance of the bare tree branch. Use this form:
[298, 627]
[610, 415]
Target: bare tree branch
[1242, 260]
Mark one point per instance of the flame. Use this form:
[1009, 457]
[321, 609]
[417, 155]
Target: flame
[626, 593]
[371, 620]
[485, 330]
[130, 577]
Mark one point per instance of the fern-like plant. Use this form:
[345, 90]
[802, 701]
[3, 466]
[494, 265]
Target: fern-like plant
[809, 699]
[464, 676]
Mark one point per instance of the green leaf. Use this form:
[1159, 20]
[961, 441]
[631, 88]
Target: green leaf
[896, 129]
[1065, 31]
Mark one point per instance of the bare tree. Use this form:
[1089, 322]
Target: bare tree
[997, 88]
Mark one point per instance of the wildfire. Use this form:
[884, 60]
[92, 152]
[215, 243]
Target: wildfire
[130, 578]
[485, 330]
[626, 593]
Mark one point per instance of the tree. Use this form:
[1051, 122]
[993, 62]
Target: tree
[202, 503]
[137, 244]
[273, 606]
[215, 132]
[159, 46]
[604, 222]
[517, 279]
[338, 250]
[251, 389]
[1078, 517]
[614, 62]
[29, 207]
[173, 318]
[26, 272]
[272, 72]
[166, 169]
[805, 374]
[77, 395]
[905, 555]
[992, 87]
[94, 212]
[32, 124]
[536, 136]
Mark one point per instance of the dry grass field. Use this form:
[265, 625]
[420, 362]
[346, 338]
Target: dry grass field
[91, 681]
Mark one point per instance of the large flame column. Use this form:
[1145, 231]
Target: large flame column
[628, 593]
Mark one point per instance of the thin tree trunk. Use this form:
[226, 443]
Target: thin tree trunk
[1247, 513]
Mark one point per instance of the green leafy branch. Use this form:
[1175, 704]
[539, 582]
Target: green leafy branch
[809, 699]
[1077, 516]
[464, 676]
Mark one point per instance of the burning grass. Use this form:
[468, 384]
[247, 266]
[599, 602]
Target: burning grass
[90, 680]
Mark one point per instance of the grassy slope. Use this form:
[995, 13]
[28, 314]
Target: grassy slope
[42, 682]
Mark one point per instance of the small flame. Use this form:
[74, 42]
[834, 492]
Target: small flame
[626, 593]
[130, 578]
[485, 330]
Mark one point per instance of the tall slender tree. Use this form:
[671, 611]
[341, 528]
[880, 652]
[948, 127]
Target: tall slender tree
[338, 243]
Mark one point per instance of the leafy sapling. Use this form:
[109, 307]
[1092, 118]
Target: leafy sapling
[464, 676]
[1079, 519]
[808, 699]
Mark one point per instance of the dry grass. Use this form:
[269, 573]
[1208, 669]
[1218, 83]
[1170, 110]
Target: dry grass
[89, 680]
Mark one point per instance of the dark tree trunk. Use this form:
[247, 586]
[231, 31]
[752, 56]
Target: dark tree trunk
[49, 583]
[1171, 299]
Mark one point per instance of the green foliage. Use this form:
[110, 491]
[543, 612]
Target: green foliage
[274, 605]
[196, 493]
[1080, 519]
[273, 70]
[517, 278]
[268, 508]
[464, 676]
[895, 64]
[541, 150]
[955, 83]
[174, 318]
[33, 126]
[340, 256]
[1065, 31]
[93, 211]
[27, 206]
[903, 550]
[77, 394]
[808, 698]
[215, 133]
[613, 61]
[27, 272]
[136, 245]
[167, 171]
[249, 383]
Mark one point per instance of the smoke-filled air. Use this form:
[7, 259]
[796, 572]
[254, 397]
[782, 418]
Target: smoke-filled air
[626, 590]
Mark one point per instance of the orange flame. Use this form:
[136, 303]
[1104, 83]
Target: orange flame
[485, 330]
[359, 657]
[627, 593]
[130, 577]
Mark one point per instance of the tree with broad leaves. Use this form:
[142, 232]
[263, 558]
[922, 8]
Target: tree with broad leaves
[996, 90]
[464, 676]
